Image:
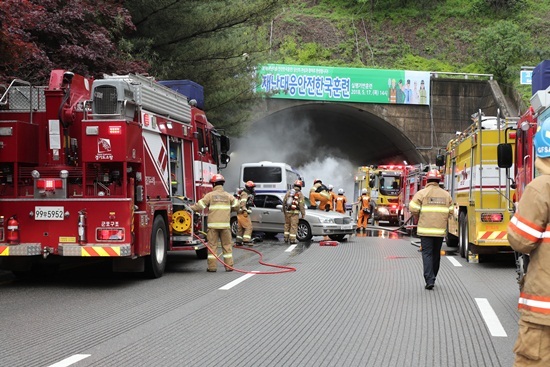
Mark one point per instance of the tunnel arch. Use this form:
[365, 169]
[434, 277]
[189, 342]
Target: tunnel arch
[346, 131]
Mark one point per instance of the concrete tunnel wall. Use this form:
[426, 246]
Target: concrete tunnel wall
[387, 133]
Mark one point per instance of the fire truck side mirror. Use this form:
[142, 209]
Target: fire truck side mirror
[440, 160]
[504, 155]
[225, 144]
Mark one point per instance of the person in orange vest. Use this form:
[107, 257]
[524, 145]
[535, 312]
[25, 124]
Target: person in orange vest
[244, 224]
[340, 202]
[313, 194]
[364, 210]
[220, 204]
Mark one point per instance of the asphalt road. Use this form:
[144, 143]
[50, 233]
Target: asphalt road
[361, 303]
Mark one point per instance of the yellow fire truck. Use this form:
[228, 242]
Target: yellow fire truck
[480, 190]
[383, 183]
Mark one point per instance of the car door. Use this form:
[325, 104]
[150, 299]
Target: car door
[273, 218]
[256, 215]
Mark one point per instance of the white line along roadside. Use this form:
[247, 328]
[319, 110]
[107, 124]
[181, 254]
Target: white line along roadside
[490, 318]
[71, 360]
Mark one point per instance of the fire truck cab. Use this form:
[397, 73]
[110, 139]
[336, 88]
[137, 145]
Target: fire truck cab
[102, 168]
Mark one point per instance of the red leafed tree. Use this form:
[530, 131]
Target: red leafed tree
[84, 36]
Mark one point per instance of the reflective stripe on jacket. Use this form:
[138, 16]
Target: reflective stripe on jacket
[433, 205]
[529, 233]
[219, 204]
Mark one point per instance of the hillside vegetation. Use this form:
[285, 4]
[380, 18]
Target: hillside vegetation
[465, 36]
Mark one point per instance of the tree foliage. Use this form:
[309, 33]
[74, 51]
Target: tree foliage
[79, 35]
[214, 43]
[501, 46]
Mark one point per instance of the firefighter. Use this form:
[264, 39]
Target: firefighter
[340, 202]
[244, 224]
[220, 204]
[433, 206]
[364, 210]
[528, 233]
[313, 194]
[333, 196]
[293, 206]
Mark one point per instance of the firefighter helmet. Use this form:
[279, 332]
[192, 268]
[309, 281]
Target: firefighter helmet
[250, 184]
[433, 174]
[542, 139]
[364, 191]
[317, 180]
[217, 179]
[298, 183]
[340, 191]
[330, 187]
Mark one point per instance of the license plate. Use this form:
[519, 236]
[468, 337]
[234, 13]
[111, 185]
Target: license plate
[49, 213]
[347, 226]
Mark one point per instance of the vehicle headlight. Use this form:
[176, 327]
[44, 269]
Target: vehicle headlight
[383, 210]
[327, 220]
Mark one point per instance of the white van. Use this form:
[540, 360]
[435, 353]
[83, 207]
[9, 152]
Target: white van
[269, 177]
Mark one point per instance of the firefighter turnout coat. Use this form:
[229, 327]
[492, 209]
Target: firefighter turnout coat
[529, 233]
[220, 204]
[432, 205]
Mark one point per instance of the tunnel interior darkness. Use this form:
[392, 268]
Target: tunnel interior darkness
[342, 131]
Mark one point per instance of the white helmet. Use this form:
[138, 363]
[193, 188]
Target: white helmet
[330, 187]
[364, 191]
[340, 191]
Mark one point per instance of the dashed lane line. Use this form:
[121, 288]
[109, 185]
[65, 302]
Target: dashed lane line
[237, 281]
[71, 360]
[490, 318]
[454, 261]
[290, 248]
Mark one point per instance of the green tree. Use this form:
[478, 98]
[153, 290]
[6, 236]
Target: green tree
[502, 46]
[215, 43]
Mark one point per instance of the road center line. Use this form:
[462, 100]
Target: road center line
[290, 248]
[453, 261]
[237, 281]
[71, 360]
[490, 317]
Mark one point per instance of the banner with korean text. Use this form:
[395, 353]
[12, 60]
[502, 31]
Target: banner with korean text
[335, 84]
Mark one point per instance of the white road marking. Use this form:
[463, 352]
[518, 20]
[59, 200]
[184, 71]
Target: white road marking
[290, 248]
[237, 281]
[71, 360]
[490, 317]
[453, 261]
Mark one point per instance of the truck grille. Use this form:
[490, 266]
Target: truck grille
[105, 100]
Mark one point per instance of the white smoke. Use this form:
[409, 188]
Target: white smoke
[291, 142]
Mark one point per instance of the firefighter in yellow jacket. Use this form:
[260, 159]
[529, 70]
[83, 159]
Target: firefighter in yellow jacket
[244, 224]
[293, 206]
[529, 233]
[219, 204]
[432, 205]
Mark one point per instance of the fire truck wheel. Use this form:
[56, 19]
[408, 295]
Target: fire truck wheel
[304, 231]
[156, 261]
[234, 226]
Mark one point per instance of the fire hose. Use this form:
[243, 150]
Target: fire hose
[285, 269]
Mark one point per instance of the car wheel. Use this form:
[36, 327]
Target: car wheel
[336, 237]
[234, 226]
[304, 231]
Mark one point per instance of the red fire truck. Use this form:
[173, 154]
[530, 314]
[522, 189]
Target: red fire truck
[102, 168]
